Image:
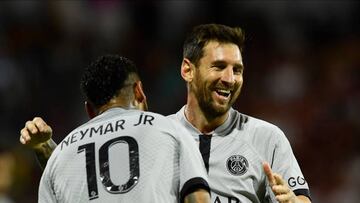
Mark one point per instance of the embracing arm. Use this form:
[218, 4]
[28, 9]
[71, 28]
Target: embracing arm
[37, 136]
[198, 196]
[44, 151]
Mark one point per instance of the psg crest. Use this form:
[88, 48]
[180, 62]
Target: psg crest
[237, 165]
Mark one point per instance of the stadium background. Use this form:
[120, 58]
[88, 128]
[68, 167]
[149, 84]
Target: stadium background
[301, 60]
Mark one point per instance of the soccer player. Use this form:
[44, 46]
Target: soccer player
[240, 152]
[236, 148]
[122, 154]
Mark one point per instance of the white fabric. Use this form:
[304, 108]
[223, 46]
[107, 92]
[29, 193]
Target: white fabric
[168, 158]
[244, 137]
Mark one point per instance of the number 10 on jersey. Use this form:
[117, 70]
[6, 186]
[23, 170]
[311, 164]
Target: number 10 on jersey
[104, 166]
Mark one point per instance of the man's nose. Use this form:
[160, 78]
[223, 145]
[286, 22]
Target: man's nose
[228, 75]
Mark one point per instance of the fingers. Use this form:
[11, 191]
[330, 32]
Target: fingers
[284, 197]
[22, 141]
[269, 173]
[280, 188]
[41, 125]
[24, 136]
[31, 127]
[278, 179]
[35, 132]
[37, 125]
[282, 193]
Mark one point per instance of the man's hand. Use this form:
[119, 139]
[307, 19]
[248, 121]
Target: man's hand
[35, 133]
[37, 136]
[281, 190]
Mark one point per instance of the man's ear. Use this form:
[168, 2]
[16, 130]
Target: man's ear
[187, 70]
[90, 110]
[140, 98]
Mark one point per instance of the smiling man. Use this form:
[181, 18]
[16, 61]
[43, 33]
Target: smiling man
[240, 152]
[214, 85]
[236, 148]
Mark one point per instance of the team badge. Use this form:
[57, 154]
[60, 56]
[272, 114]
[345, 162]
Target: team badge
[237, 165]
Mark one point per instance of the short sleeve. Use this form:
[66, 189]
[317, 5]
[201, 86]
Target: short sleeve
[193, 174]
[285, 164]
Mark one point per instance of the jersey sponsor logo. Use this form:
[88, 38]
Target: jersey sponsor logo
[292, 181]
[237, 165]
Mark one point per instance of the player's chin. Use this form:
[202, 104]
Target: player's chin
[221, 108]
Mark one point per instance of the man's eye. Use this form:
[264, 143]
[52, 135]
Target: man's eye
[238, 70]
[219, 66]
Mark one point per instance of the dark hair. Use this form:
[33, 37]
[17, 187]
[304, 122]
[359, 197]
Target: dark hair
[104, 78]
[202, 34]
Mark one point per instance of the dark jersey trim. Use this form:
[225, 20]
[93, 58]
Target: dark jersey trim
[304, 192]
[192, 185]
[205, 145]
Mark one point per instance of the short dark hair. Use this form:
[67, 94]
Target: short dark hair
[202, 34]
[104, 78]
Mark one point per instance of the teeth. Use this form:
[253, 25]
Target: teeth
[224, 93]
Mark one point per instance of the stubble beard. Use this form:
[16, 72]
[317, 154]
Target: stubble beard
[209, 106]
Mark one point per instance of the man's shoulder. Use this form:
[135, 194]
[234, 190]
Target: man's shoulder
[172, 116]
[132, 114]
[252, 123]
[177, 116]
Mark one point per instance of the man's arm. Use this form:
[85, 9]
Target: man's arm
[198, 196]
[37, 136]
[280, 188]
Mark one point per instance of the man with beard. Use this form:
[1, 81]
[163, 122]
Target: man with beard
[236, 148]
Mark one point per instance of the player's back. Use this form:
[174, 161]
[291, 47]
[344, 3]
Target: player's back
[119, 156]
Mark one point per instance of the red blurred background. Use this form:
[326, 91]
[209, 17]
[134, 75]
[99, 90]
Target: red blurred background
[301, 60]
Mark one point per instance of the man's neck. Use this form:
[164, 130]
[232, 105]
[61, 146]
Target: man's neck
[115, 102]
[203, 123]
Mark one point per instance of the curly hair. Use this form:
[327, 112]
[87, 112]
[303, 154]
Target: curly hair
[106, 77]
[202, 34]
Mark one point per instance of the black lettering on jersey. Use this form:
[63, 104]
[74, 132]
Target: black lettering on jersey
[292, 181]
[119, 124]
[140, 119]
[83, 133]
[65, 141]
[148, 118]
[217, 200]
[94, 130]
[301, 180]
[229, 200]
[143, 119]
[73, 138]
[108, 128]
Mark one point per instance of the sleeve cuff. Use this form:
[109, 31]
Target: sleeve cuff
[304, 192]
[192, 185]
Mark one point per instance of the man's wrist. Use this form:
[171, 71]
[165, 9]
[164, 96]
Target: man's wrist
[43, 152]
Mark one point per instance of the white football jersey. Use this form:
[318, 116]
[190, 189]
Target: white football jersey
[124, 156]
[233, 154]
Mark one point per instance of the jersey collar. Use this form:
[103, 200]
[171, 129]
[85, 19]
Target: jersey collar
[222, 130]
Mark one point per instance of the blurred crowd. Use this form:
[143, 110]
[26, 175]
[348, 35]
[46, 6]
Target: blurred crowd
[302, 73]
